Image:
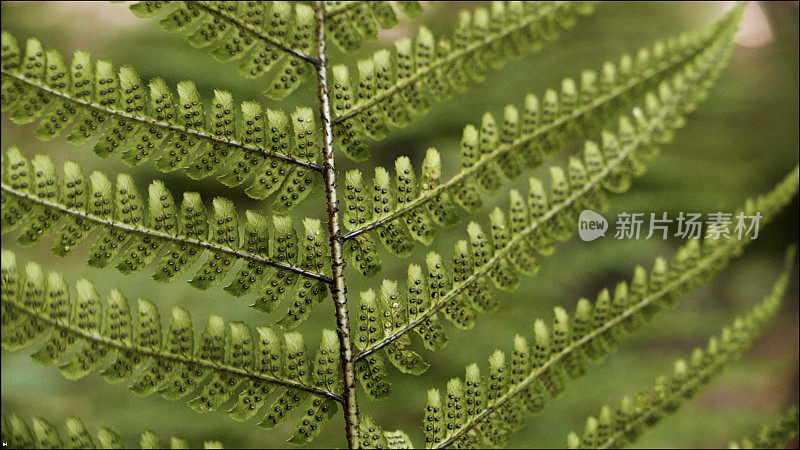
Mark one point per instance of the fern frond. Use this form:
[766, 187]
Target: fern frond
[372, 436]
[264, 35]
[775, 435]
[39, 433]
[135, 229]
[624, 425]
[563, 349]
[376, 317]
[393, 87]
[268, 150]
[522, 140]
[536, 224]
[350, 24]
[228, 364]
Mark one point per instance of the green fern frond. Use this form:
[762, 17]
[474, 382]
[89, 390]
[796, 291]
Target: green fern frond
[264, 35]
[624, 426]
[394, 87]
[259, 148]
[622, 113]
[349, 24]
[372, 436]
[536, 224]
[226, 365]
[398, 439]
[135, 229]
[39, 433]
[524, 139]
[376, 317]
[537, 370]
[775, 435]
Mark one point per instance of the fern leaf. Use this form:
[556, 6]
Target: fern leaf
[394, 235]
[485, 258]
[624, 426]
[561, 350]
[283, 282]
[369, 330]
[419, 302]
[264, 151]
[372, 436]
[228, 364]
[298, 370]
[361, 252]
[350, 24]
[393, 318]
[775, 435]
[326, 376]
[39, 433]
[264, 36]
[524, 138]
[318, 412]
[380, 317]
[309, 292]
[254, 396]
[398, 439]
[393, 87]
[135, 232]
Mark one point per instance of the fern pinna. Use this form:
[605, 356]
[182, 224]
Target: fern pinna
[619, 115]
[42, 434]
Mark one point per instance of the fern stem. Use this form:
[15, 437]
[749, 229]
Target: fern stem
[256, 31]
[505, 148]
[213, 366]
[164, 125]
[449, 59]
[519, 238]
[338, 288]
[720, 252]
[161, 235]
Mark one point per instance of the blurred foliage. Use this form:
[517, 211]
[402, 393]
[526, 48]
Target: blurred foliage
[738, 143]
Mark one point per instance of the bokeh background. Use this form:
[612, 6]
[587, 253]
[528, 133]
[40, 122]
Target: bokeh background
[740, 141]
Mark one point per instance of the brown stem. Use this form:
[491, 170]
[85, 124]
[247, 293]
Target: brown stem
[338, 288]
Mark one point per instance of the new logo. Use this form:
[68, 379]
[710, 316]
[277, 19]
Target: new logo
[591, 225]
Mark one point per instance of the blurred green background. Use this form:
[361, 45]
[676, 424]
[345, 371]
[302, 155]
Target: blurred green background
[741, 141]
